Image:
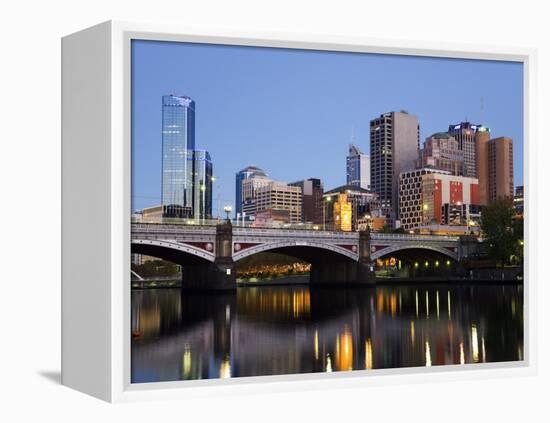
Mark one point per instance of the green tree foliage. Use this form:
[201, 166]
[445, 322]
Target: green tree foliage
[503, 234]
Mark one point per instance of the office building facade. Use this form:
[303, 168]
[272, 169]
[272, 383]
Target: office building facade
[178, 143]
[394, 147]
[364, 204]
[312, 199]
[250, 172]
[279, 196]
[483, 135]
[518, 200]
[465, 134]
[448, 199]
[441, 151]
[410, 196]
[357, 168]
[202, 185]
[501, 168]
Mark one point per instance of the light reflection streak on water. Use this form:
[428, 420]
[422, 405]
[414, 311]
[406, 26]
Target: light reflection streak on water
[316, 344]
[368, 354]
[475, 346]
[462, 358]
[427, 306]
[428, 355]
[449, 304]
[437, 303]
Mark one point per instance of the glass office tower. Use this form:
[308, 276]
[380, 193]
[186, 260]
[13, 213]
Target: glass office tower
[357, 168]
[246, 173]
[178, 143]
[202, 185]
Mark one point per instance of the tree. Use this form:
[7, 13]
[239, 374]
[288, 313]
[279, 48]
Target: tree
[503, 237]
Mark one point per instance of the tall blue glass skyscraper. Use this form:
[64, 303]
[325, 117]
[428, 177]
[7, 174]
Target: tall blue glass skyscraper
[178, 144]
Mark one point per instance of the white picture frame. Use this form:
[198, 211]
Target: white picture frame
[96, 142]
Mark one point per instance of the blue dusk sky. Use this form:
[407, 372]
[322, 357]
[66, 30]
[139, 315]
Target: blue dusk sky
[293, 112]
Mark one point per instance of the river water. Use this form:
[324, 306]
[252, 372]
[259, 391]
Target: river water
[273, 330]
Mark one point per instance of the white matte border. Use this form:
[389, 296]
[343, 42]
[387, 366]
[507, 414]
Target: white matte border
[120, 84]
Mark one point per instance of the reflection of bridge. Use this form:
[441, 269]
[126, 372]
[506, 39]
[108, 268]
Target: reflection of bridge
[209, 253]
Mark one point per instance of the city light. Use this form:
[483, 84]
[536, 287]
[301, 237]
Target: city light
[227, 209]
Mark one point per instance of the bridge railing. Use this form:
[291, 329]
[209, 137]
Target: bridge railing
[236, 223]
[202, 223]
[412, 237]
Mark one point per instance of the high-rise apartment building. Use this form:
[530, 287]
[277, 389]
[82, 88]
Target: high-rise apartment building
[501, 168]
[312, 200]
[250, 172]
[441, 152]
[394, 146]
[278, 196]
[178, 143]
[483, 135]
[465, 134]
[357, 168]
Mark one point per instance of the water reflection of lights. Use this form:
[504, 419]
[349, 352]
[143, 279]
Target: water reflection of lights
[328, 367]
[368, 354]
[412, 333]
[427, 306]
[483, 356]
[416, 296]
[428, 355]
[437, 303]
[316, 344]
[344, 351]
[475, 347]
[462, 360]
[227, 312]
[225, 368]
[449, 304]
[186, 362]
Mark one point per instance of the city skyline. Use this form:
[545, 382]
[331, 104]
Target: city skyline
[250, 140]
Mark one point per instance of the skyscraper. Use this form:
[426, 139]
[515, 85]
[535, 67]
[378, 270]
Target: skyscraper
[394, 145]
[501, 168]
[483, 135]
[441, 152]
[357, 168]
[178, 143]
[465, 134]
[312, 199]
[246, 173]
[202, 185]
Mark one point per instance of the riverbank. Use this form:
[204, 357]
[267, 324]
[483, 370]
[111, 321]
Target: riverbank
[304, 280]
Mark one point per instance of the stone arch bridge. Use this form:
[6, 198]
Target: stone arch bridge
[209, 253]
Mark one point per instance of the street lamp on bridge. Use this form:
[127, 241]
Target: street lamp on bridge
[327, 200]
[227, 209]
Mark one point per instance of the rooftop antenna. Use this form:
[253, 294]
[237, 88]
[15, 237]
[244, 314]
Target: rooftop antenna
[481, 108]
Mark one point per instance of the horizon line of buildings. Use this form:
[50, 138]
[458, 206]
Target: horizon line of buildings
[399, 184]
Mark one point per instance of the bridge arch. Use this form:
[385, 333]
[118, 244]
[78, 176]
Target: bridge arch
[306, 250]
[172, 251]
[403, 248]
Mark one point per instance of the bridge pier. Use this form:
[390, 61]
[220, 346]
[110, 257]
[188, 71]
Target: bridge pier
[346, 272]
[219, 275]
